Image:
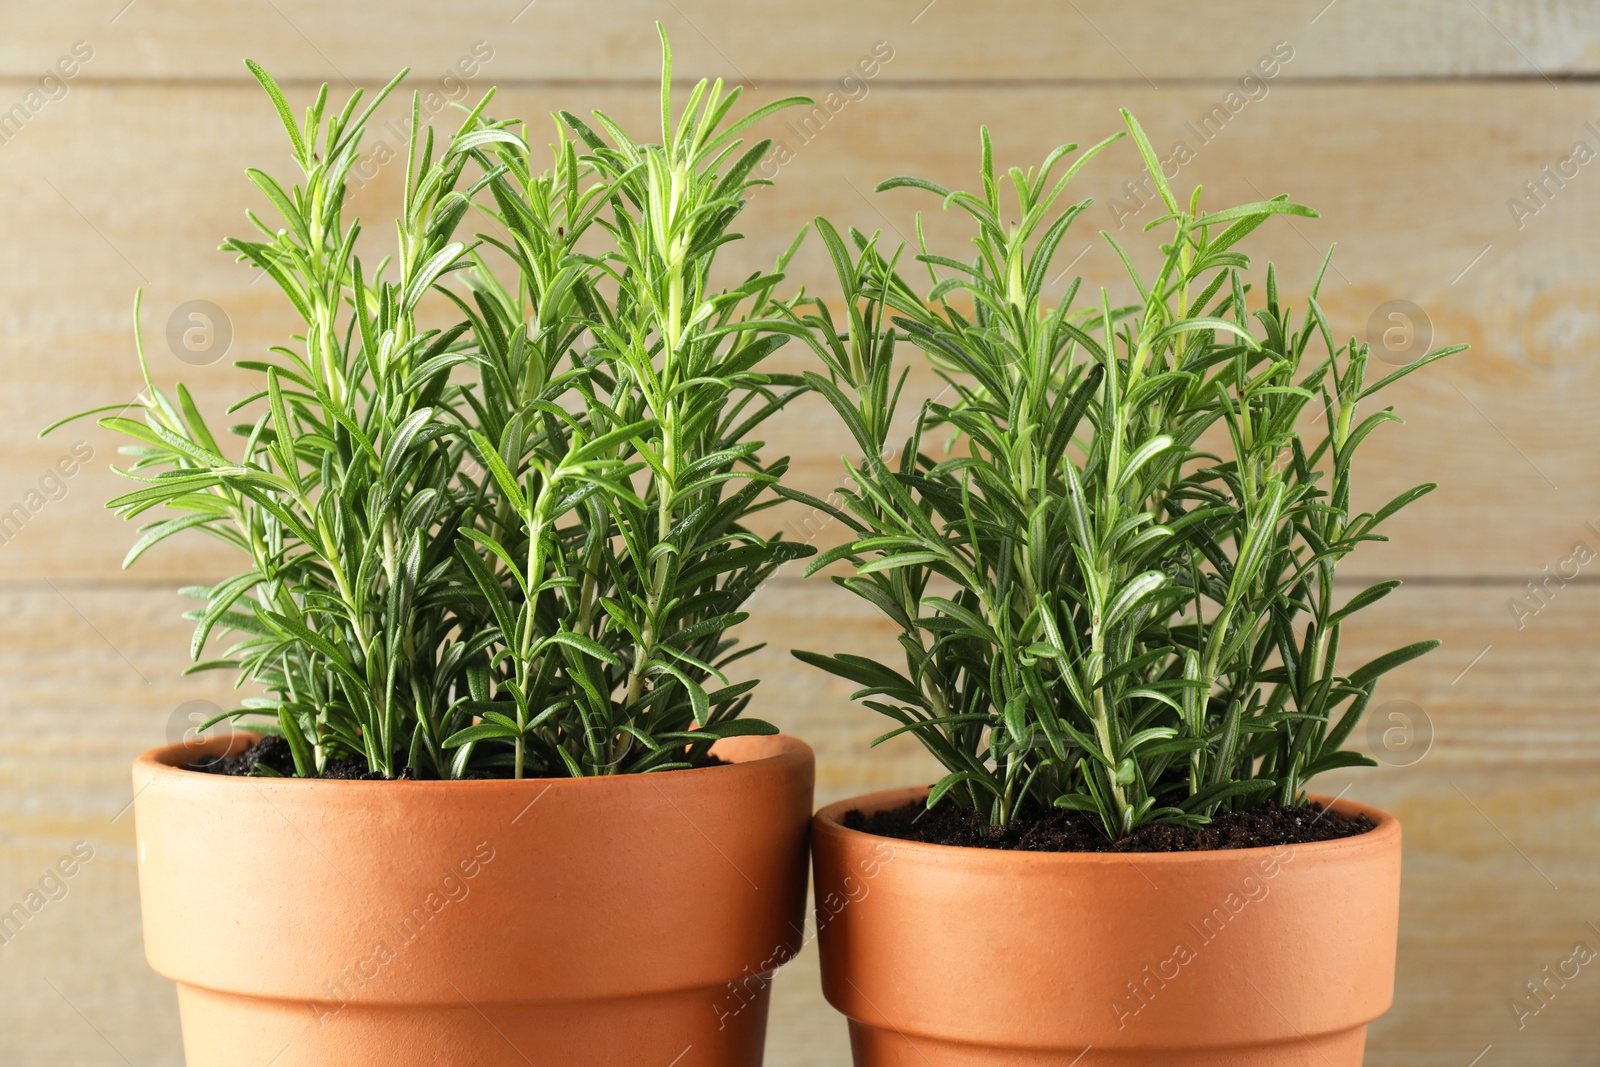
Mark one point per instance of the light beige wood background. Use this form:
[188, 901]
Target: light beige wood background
[1409, 123]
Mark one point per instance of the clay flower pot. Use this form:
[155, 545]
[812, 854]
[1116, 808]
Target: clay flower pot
[622, 920]
[955, 957]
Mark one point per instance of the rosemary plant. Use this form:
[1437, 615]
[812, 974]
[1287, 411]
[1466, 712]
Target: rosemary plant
[344, 612]
[627, 556]
[512, 545]
[1115, 587]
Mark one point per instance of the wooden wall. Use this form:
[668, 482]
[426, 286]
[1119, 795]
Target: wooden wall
[1411, 125]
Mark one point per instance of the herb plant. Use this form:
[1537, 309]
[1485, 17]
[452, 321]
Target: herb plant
[626, 549]
[345, 612]
[514, 543]
[1114, 587]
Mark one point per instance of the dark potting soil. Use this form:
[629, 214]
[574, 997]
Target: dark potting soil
[273, 753]
[1080, 831]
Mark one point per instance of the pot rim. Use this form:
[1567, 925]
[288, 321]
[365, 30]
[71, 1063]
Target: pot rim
[829, 820]
[167, 762]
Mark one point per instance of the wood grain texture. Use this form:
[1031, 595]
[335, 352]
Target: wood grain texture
[1154, 43]
[1411, 124]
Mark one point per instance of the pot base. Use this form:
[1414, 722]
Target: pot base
[690, 1028]
[874, 1047]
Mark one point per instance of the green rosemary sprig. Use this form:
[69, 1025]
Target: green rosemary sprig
[1098, 612]
[343, 612]
[634, 544]
[513, 545]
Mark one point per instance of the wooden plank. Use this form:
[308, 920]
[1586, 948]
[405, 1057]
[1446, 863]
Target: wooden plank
[75, 982]
[126, 186]
[1150, 44]
[1503, 799]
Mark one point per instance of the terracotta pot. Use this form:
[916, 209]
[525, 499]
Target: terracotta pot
[955, 957]
[622, 920]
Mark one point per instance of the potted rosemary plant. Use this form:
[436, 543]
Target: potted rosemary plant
[1114, 588]
[493, 793]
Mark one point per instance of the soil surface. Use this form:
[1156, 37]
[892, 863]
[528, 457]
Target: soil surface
[1079, 831]
[273, 753]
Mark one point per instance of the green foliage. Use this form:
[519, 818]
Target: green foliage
[514, 544]
[627, 544]
[1115, 586]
